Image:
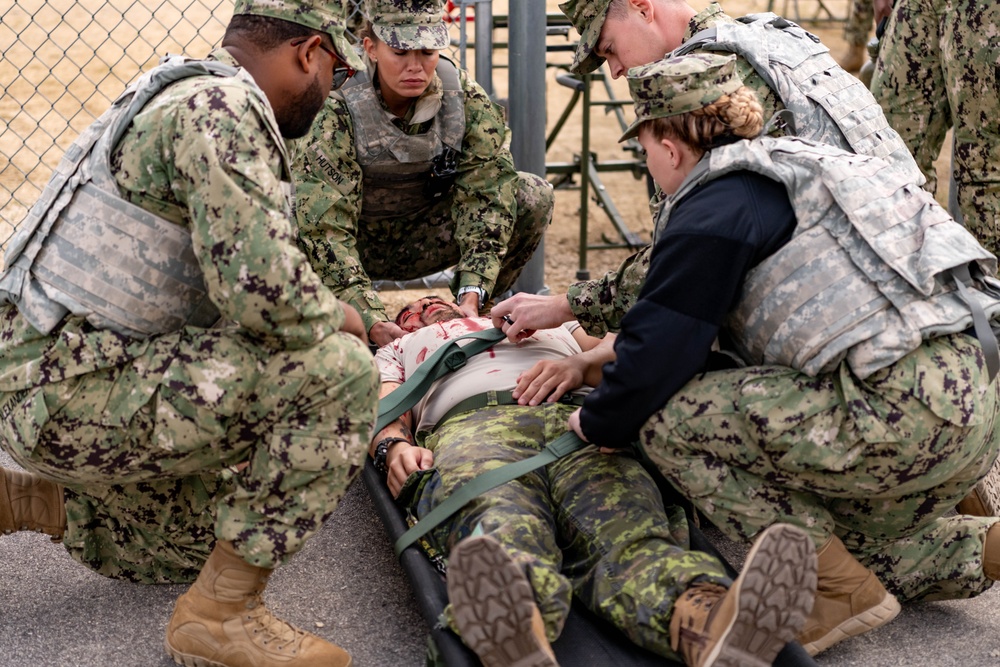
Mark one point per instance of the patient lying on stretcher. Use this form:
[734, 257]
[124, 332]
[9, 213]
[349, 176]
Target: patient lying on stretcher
[589, 524]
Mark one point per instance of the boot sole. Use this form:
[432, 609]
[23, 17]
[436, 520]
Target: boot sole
[189, 660]
[869, 619]
[775, 593]
[493, 605]
[34, 504]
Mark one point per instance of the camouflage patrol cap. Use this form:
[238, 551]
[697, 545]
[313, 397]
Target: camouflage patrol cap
[323, 15]
[588, 19]
[679, 84]
[409, 25]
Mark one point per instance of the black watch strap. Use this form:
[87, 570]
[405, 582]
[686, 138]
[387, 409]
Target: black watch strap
[382, 450]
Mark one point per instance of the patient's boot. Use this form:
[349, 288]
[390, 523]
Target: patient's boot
[748, 624]
[984, 499]
[29, 502]
[222, 621]
[850, 600]
[494, 606]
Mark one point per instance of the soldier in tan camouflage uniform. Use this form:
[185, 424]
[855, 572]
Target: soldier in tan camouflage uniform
[162, 450]
[407, 172]
[868, 403]
[937, 68]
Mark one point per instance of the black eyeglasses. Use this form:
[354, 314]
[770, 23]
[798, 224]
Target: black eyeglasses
[340, 74]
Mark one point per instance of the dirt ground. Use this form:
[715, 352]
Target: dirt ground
[22, 78]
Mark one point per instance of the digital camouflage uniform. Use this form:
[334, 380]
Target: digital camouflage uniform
[937, 69]
[248, 432]
[589, 524]
[877, 462]
[600, 304]
[488, 225]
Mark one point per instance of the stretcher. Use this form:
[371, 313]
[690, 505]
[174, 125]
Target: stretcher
[586, 640]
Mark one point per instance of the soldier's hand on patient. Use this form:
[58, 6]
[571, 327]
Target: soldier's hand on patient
[548, 380]
[529, 312]
[383, 333]
[403, 460]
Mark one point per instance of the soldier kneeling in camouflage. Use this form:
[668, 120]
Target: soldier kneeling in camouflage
[867, 406]
[188, 397]
[587, 525]
[407, 172]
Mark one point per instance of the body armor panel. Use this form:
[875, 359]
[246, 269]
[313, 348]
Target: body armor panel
[405, 174]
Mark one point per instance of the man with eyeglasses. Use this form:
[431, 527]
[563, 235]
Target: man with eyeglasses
[189, 400]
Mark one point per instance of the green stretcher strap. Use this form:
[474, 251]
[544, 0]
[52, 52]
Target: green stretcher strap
[565, 444]
[446, 359]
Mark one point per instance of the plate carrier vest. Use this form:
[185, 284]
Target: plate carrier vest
[85, 250]
[398, 167]
[875, 265]
[799, 68]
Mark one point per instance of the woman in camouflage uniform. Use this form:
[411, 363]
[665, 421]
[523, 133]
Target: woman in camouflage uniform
[407, 172]
[867, 407]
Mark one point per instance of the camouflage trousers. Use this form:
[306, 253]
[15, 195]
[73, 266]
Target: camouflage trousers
[877, 462]
[859, 22]
[937, 69]
[404, 248]
[589, 524]
[206, 435]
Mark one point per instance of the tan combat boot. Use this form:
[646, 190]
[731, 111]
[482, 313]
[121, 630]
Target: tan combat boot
[748, 624]
[853, 58]
[984, 499]
[29, 502]
[221, 621]
[494, 606]
[991, 553]
[850, 600]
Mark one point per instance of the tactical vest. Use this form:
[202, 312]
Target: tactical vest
[85, 250]
[829, 105]
[405, 174]
[874, 266]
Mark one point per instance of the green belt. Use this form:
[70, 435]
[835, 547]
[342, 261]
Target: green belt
[493, 398]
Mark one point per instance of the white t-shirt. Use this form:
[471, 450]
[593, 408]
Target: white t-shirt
[495, 369]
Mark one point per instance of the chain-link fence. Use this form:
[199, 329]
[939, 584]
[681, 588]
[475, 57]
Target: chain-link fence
[62, 62]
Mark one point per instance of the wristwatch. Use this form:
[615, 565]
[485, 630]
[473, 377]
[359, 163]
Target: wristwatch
[471, 288]
[381, 450]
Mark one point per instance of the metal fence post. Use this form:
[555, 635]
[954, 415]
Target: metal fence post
[526, 98]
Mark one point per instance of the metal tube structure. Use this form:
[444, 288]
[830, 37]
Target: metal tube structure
[526, 97]
[484, 45]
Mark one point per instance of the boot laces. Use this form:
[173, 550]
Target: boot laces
[270, 628]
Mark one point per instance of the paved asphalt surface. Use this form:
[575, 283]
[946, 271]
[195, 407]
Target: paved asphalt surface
[347, 587]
